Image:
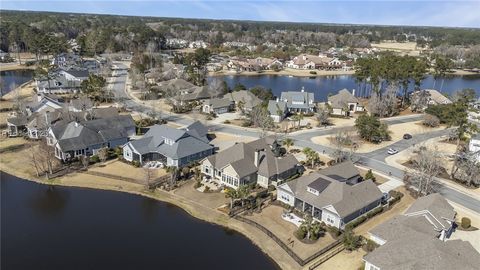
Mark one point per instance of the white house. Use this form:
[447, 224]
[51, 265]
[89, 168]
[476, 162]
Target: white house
[217, 105]
[329, 198]
[474, 146]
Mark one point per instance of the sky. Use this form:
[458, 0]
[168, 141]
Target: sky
[419, 12]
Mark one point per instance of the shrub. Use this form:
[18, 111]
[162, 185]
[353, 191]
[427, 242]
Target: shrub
[300, 233]
[94, 159]
[333, 231]
[374, 212]
[197, 184]
[466, 223]
[207, 189]
[313, 72]
[369, 175]
[351, 241]
[370, 246]
[135, 163]
[431, 121]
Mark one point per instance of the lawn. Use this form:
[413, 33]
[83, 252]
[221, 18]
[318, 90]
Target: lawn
[270, 218]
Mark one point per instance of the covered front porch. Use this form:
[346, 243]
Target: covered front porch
[307, 208]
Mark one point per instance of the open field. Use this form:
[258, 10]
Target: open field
[119, 168]
[396, 132]
[344, 260]
[224, 140]
[401, 46]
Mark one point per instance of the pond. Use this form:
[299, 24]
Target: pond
[14, 78]
[322, 86]
[52, 227]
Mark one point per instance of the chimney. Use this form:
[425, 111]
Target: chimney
[277, 99]
[303, 89]
[47, 118]
[256, 158]
[353, 92]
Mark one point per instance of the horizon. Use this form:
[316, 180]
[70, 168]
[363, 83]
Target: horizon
[357, 12]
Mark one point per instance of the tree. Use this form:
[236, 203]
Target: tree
[426, 166]
[430, 120]
[311, 228]
[370, 175]
[94, 86]
[149, 175]
[85, 161]
[260, 117]
[233, 195]
[350, 240]
[467, 168]
[371, 129]
[323, 118]
[288, 142]
[297, 118]
[312, 156]
[103, 154]
[341, 142]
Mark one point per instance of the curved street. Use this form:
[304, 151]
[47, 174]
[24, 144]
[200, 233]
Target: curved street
[374, 160]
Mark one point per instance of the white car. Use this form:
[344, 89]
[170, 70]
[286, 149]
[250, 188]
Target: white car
[392, 151]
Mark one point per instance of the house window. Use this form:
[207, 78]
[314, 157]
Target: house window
[285, 198]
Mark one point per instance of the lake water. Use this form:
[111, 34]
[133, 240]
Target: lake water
[12, 78]
[46, 227]
[323, 85]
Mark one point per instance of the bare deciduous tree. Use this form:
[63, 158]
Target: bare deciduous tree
[467, 168]
[103, 154]
[149, 175]
[85, 161]
[426, 166]
[431, 121]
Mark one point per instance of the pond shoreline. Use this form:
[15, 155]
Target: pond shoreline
[192, 208]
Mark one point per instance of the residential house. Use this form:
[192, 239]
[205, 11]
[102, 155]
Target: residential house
[217, 105]
[249, 163]
[198, 44]
[474, 145]
[63, 81]
[16, 125]
[277, 110]
[44, 102]
[172, 147]
[329, 198]
[39, 123]
[243, 100]
[306, 61]
[417, 240]
[84, 138]
[299, 102]
[431, 215]
[66, 60]
[420, 251]
[433, 98]
[345, 103]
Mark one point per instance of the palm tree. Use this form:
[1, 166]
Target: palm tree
[311, 227]
[232, 194]
[243, 192]
[288, 142]
[298, 117]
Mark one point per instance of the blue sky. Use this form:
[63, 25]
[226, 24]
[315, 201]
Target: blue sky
[430, 13]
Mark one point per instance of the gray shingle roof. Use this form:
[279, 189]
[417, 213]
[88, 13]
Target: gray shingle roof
[217, 103]
[72, 135]
[275, 106]
[185, 143]
[305, 98]
[439, 209]
[346, 199]
[241, 156]
[341, 171]
[400, 226]
[249, 99]
[419, 251]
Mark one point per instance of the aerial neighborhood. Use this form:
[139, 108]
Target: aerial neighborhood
[328, 149]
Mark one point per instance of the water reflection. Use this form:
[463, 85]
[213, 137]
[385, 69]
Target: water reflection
[50, 202]
[149, 208]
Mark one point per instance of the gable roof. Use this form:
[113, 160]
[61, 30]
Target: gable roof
[294, 97]
[249, 99]
[438, 97]
[185, 143]
[437, 209]
[342, 99]
[342, 171]
[275, 106]
[419, 251]
[401, 226]
[346, 199]
[217, 103]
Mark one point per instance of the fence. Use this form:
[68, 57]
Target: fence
[325, 258]
[290, 252]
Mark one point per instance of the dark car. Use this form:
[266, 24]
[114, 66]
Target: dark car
[407, 136]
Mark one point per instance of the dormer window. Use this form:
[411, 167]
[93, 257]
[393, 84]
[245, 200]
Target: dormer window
[168, 141]
[313, 191]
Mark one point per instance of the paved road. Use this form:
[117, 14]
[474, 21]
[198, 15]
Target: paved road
[374, 159]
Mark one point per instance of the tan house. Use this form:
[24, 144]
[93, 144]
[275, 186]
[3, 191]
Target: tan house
[345, 103]
[247, 163]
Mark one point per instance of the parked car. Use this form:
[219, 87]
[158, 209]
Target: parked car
[392, 151]
[385, 197]
[407, 136]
